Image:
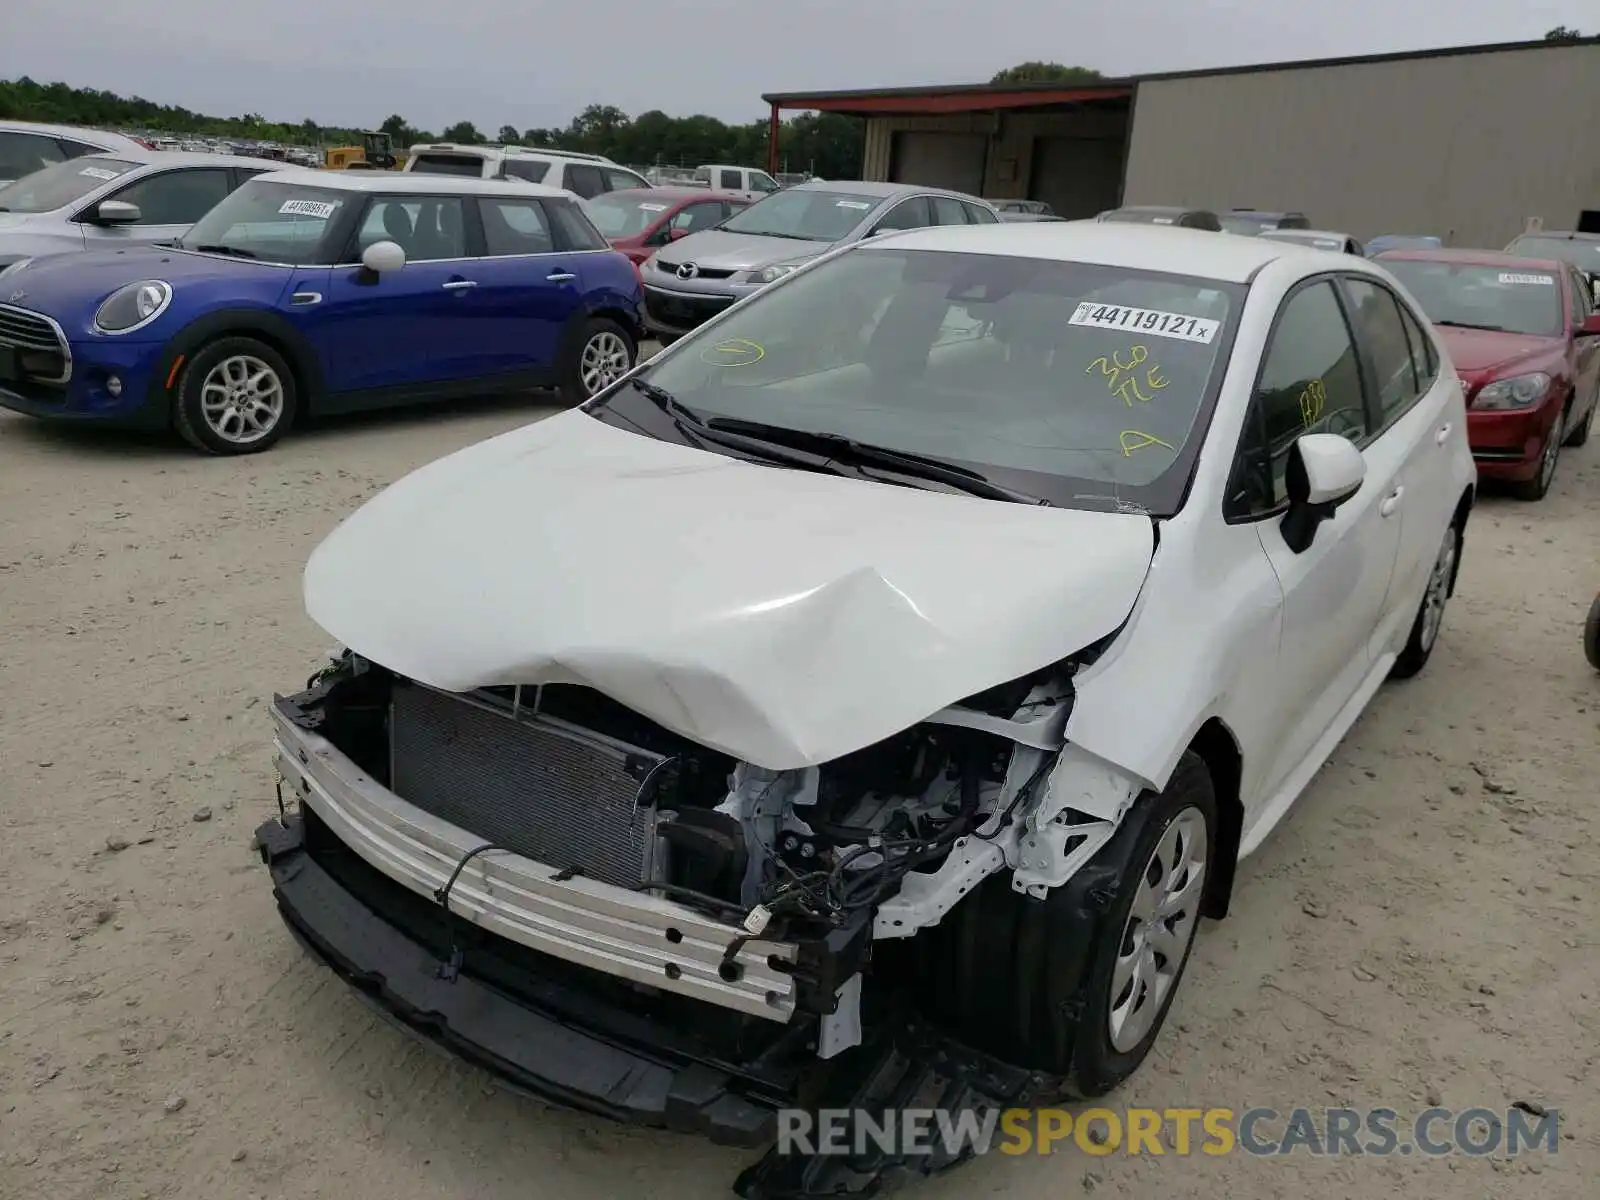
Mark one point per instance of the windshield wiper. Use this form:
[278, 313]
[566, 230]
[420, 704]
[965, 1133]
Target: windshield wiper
[848, 450]
[219, 248]
[793, 237]
[1470, 325]
[689, 423]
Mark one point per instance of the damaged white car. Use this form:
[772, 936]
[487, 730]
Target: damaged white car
[866, 698]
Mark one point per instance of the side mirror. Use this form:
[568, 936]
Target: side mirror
[117, 212]
[1324, 470]
[383, 258]
[1590, 326]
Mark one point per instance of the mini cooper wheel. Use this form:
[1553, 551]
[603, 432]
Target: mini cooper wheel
[602, 353]
[1591, 635]
[1430, 616]
[236, 396]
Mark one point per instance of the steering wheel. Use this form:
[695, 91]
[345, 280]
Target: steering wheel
[1343, 421]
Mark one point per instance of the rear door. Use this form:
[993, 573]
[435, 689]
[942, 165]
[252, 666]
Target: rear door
[381, 338]
[169, 202]
[529, 282]
[1585, 350]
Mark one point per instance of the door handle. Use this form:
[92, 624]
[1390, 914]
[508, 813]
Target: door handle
[1443, 434]
[561, 277]
[1391, 502]
[456, 285]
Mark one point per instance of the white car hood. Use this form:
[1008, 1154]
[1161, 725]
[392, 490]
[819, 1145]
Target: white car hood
[781, 616]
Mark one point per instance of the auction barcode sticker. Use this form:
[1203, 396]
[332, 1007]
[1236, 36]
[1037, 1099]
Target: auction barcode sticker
[652, 208]
[98, 173]
[1513, 277]
[320, 209]
[1145, 320]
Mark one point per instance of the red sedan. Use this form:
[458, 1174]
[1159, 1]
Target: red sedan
[1525, 340]
[640, 221]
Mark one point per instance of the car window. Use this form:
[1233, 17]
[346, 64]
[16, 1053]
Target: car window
[515, 225]
[73, 149]
[24, 153]
[275, 222]
[948, 211]
[584, 180]
[618, 180]
[977, 214]
[1310, 382]
[1423, 356]
[625, 214]
[176, 197]
[532, 169]
[803, 214]
[573, 228]
[730, 181]
[695, 217]
[425, 227]
[1376, 313]
[469, 165]
[1583, 253]
[760, 181]
[908, 214]
[1579, 295]
[1081, 383]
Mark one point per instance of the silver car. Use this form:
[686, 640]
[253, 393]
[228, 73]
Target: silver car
[1317, 239]
[102, 201]
[691, 280]
[26, 146]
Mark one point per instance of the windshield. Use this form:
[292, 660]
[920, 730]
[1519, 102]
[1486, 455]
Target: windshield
[1513, 299]
[1083, 385]
[1249, 224]
[1583, 253]
[811, 216]
[275, 222]
[620, 215]
[63, 184]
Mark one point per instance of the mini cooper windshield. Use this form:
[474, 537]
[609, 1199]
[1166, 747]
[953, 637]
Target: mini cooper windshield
[1076, 385]
[273, 222]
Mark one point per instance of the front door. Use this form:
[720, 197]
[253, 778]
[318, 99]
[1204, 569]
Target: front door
[1336, 590]
[410, 330]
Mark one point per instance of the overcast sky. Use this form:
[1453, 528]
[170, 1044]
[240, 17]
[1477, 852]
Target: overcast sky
[353, 62]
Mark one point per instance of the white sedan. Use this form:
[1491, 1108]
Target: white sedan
[969, 602]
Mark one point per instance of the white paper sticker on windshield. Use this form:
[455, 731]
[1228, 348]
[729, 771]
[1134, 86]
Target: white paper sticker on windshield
[653, 208]
[863, 205]
[320, 209]
[1161, 220]
[98, 173]
[1145, 320]
[1512, 277]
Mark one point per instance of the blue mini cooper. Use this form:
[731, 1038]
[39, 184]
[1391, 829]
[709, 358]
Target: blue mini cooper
[312, 292]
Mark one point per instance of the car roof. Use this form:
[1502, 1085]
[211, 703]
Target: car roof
[100, 137]
[1305, 235]
[1198, 252]
[866, 187]
[673, 192]
[1265, 213]
[1569, 235]
[404, 182]
[1477, 258]
[509, 152]
[181, 158]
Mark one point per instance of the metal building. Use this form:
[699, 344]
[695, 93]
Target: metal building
[1473, 144]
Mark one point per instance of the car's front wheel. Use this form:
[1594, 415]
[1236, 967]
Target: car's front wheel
[236, 395]
[1579, 435]
[601, 353]
[1591, 635]
[1539, 485]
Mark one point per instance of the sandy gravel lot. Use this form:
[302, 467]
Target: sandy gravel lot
[1422, 929]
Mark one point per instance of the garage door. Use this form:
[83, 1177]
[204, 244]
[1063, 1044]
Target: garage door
[951, 160]
[1077, 177]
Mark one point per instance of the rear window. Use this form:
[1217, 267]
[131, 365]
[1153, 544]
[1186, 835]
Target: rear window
[469, 165]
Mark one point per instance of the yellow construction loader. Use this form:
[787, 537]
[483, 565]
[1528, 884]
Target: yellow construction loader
[376, 153]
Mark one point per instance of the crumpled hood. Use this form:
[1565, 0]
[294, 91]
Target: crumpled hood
[722, 250]
[781, 616]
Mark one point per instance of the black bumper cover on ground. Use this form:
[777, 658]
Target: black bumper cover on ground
[547, 1058]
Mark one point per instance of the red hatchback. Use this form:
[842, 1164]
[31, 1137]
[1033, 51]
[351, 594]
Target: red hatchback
[1525, 340]
[640, 221]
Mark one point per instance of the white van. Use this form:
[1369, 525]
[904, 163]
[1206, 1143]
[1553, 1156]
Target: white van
[745, 181]
[586, 175]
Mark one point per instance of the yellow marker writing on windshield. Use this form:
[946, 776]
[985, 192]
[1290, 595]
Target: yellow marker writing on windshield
[736, 352]
[1121, 382]
[1134, 439]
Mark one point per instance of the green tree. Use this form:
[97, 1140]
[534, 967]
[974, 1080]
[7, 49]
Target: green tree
[508, 135]
[1562, 34]
[463, 132]
[1046, 72]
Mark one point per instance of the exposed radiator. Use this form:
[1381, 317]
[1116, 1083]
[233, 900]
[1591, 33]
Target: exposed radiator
[557, 794]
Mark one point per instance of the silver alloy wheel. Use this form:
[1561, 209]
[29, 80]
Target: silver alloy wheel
[1161, 924]
[605, 360]
[1438, 590]
[242, 399]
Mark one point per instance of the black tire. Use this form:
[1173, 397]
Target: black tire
[1537, 487]
[1425, 634]
[189, 415]
[1591, 635]
[1029, 980]
[587, 340]
[1580, 435]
